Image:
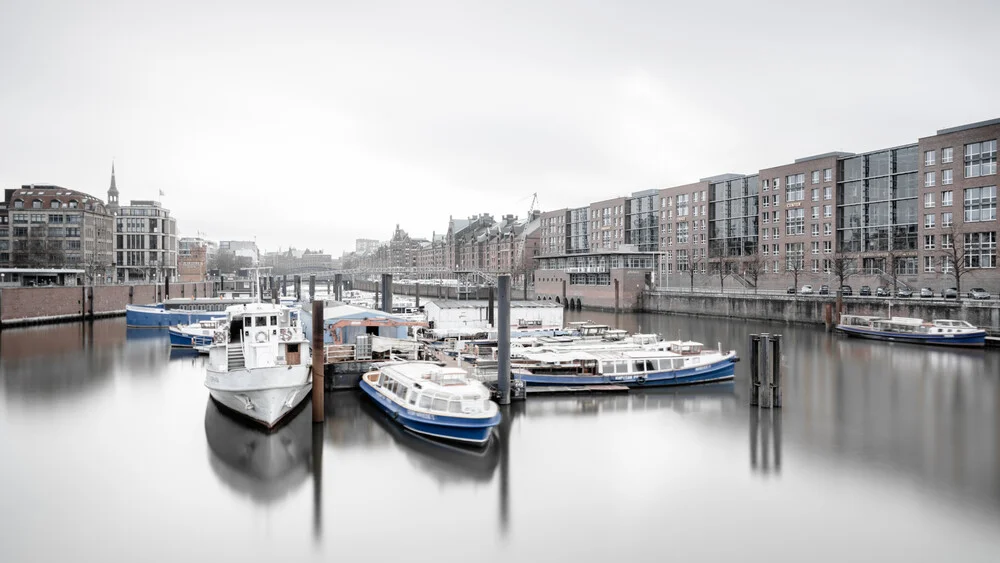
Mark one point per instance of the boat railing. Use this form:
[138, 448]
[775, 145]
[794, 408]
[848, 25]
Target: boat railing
[336, 353]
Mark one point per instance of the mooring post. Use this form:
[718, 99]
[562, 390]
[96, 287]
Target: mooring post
[284, 285]
[318, 359]
[503, 340]
[754, 368]
[338, 286]
[387, 293]
[298, 287]
[416, 291]
[166, 287]
[763, 393]
[775, 389]
[312, 287]
[489, 311]
[828, 316]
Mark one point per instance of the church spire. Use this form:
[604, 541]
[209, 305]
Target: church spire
[113, 192]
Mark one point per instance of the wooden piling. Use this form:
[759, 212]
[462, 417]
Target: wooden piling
[490, 310]
[754, 368]
[503, 339]
[775, 388]
[763, 391]
[318, 359]
[338, 287]
[312, 287]
[416, 291]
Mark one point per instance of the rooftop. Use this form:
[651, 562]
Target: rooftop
[968, 126]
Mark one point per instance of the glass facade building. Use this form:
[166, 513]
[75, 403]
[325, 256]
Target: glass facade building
[641, 226]
[733, 217]
[877, 205]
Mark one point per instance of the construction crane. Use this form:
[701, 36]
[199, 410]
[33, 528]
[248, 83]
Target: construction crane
[517, 263]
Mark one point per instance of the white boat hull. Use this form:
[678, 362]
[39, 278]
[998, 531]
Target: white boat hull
[264, 394]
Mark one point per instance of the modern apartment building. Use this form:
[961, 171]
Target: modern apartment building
[145, 242]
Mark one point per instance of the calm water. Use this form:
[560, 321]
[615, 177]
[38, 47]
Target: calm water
[113, 452]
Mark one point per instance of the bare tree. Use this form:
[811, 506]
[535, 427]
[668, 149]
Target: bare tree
[723, 267]
[843, 268]
[795, 265]
[954, 259]
[753, 266]
[693, 269]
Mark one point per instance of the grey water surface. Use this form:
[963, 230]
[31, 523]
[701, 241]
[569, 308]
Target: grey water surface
[112, 451]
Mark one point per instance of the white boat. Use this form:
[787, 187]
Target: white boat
[259, 362]
[434, 401]
[940, 332]
[193, 335]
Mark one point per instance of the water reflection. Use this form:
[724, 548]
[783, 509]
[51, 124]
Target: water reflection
[262, 466]
[765, 440]
[59, 361]
[717, 397]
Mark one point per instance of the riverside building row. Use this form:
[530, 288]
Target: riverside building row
[48, 226]
[479, 246]
[903, 215]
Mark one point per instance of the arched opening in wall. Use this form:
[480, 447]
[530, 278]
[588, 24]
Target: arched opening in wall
[579, 305]
[557, 299]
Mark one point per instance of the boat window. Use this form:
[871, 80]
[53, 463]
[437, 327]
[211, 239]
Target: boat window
[425, 401]
[413, 397]
[639, 365]
[621, 366]
[274, 320]
[455, 405]
[261, 321]
[651, 365]
[678, 363]
[440, 404]
[608, 367]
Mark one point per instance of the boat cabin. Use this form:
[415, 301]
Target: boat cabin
[428, 386]
[260, 335]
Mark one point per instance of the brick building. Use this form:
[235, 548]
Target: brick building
[46, 226]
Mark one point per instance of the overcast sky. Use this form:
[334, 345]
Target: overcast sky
[311, 124]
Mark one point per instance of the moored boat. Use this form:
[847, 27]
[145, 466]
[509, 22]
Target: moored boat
[194, 335]
[682, 363]
[435, 401]
[173, 312]
[939, 332]
[259, 362]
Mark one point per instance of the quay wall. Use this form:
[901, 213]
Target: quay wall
[36, 305]
[812, 309]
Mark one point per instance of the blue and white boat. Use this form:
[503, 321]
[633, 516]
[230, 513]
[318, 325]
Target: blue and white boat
[435, 401]
[199, 334]
[939, 332]
[173, 312]
[681, 363]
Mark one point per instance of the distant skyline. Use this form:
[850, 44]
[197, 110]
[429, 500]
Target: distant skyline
[311, 124]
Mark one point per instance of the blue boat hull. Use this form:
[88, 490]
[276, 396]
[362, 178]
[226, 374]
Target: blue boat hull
[474, 431]
[179, 339]
[974, 340]
[155, 317]
[719, 371]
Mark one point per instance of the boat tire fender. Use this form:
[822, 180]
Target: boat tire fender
[641, 379]
[261, 337]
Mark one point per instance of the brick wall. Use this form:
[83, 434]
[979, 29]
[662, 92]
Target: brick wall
[22, 303]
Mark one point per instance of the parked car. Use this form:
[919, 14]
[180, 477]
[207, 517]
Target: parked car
[790, 290]
[865, 290]
[926, 292]
[846, 290]
[978, 293]
[824, 290]
[806, 290]
[904, 293]
[950, 293]
[882, 291]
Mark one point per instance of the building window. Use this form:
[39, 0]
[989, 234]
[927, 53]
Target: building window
[980, 204]
[929, 158]
[947, 241]
[981, 250]
[929, 179]
[682, 233]
[815, 247]
[815, 194]
[795, 221]
[946, 198]
[827, 246]
[827, 211]
[36, 204]
[946, 220]
[828, 192]
[981, 159]
[795, 187]
[766, 218]
[827, 228]
[928, 264]
[774, 216]
[775, 233]
[815, 212]
[928, 242]
[815, 176]
[929, 221]
[929, 199]
[946, 177]
[947, 155]
[827, 174]
[815, 229]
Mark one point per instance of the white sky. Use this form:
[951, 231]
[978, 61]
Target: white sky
[314, 123]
